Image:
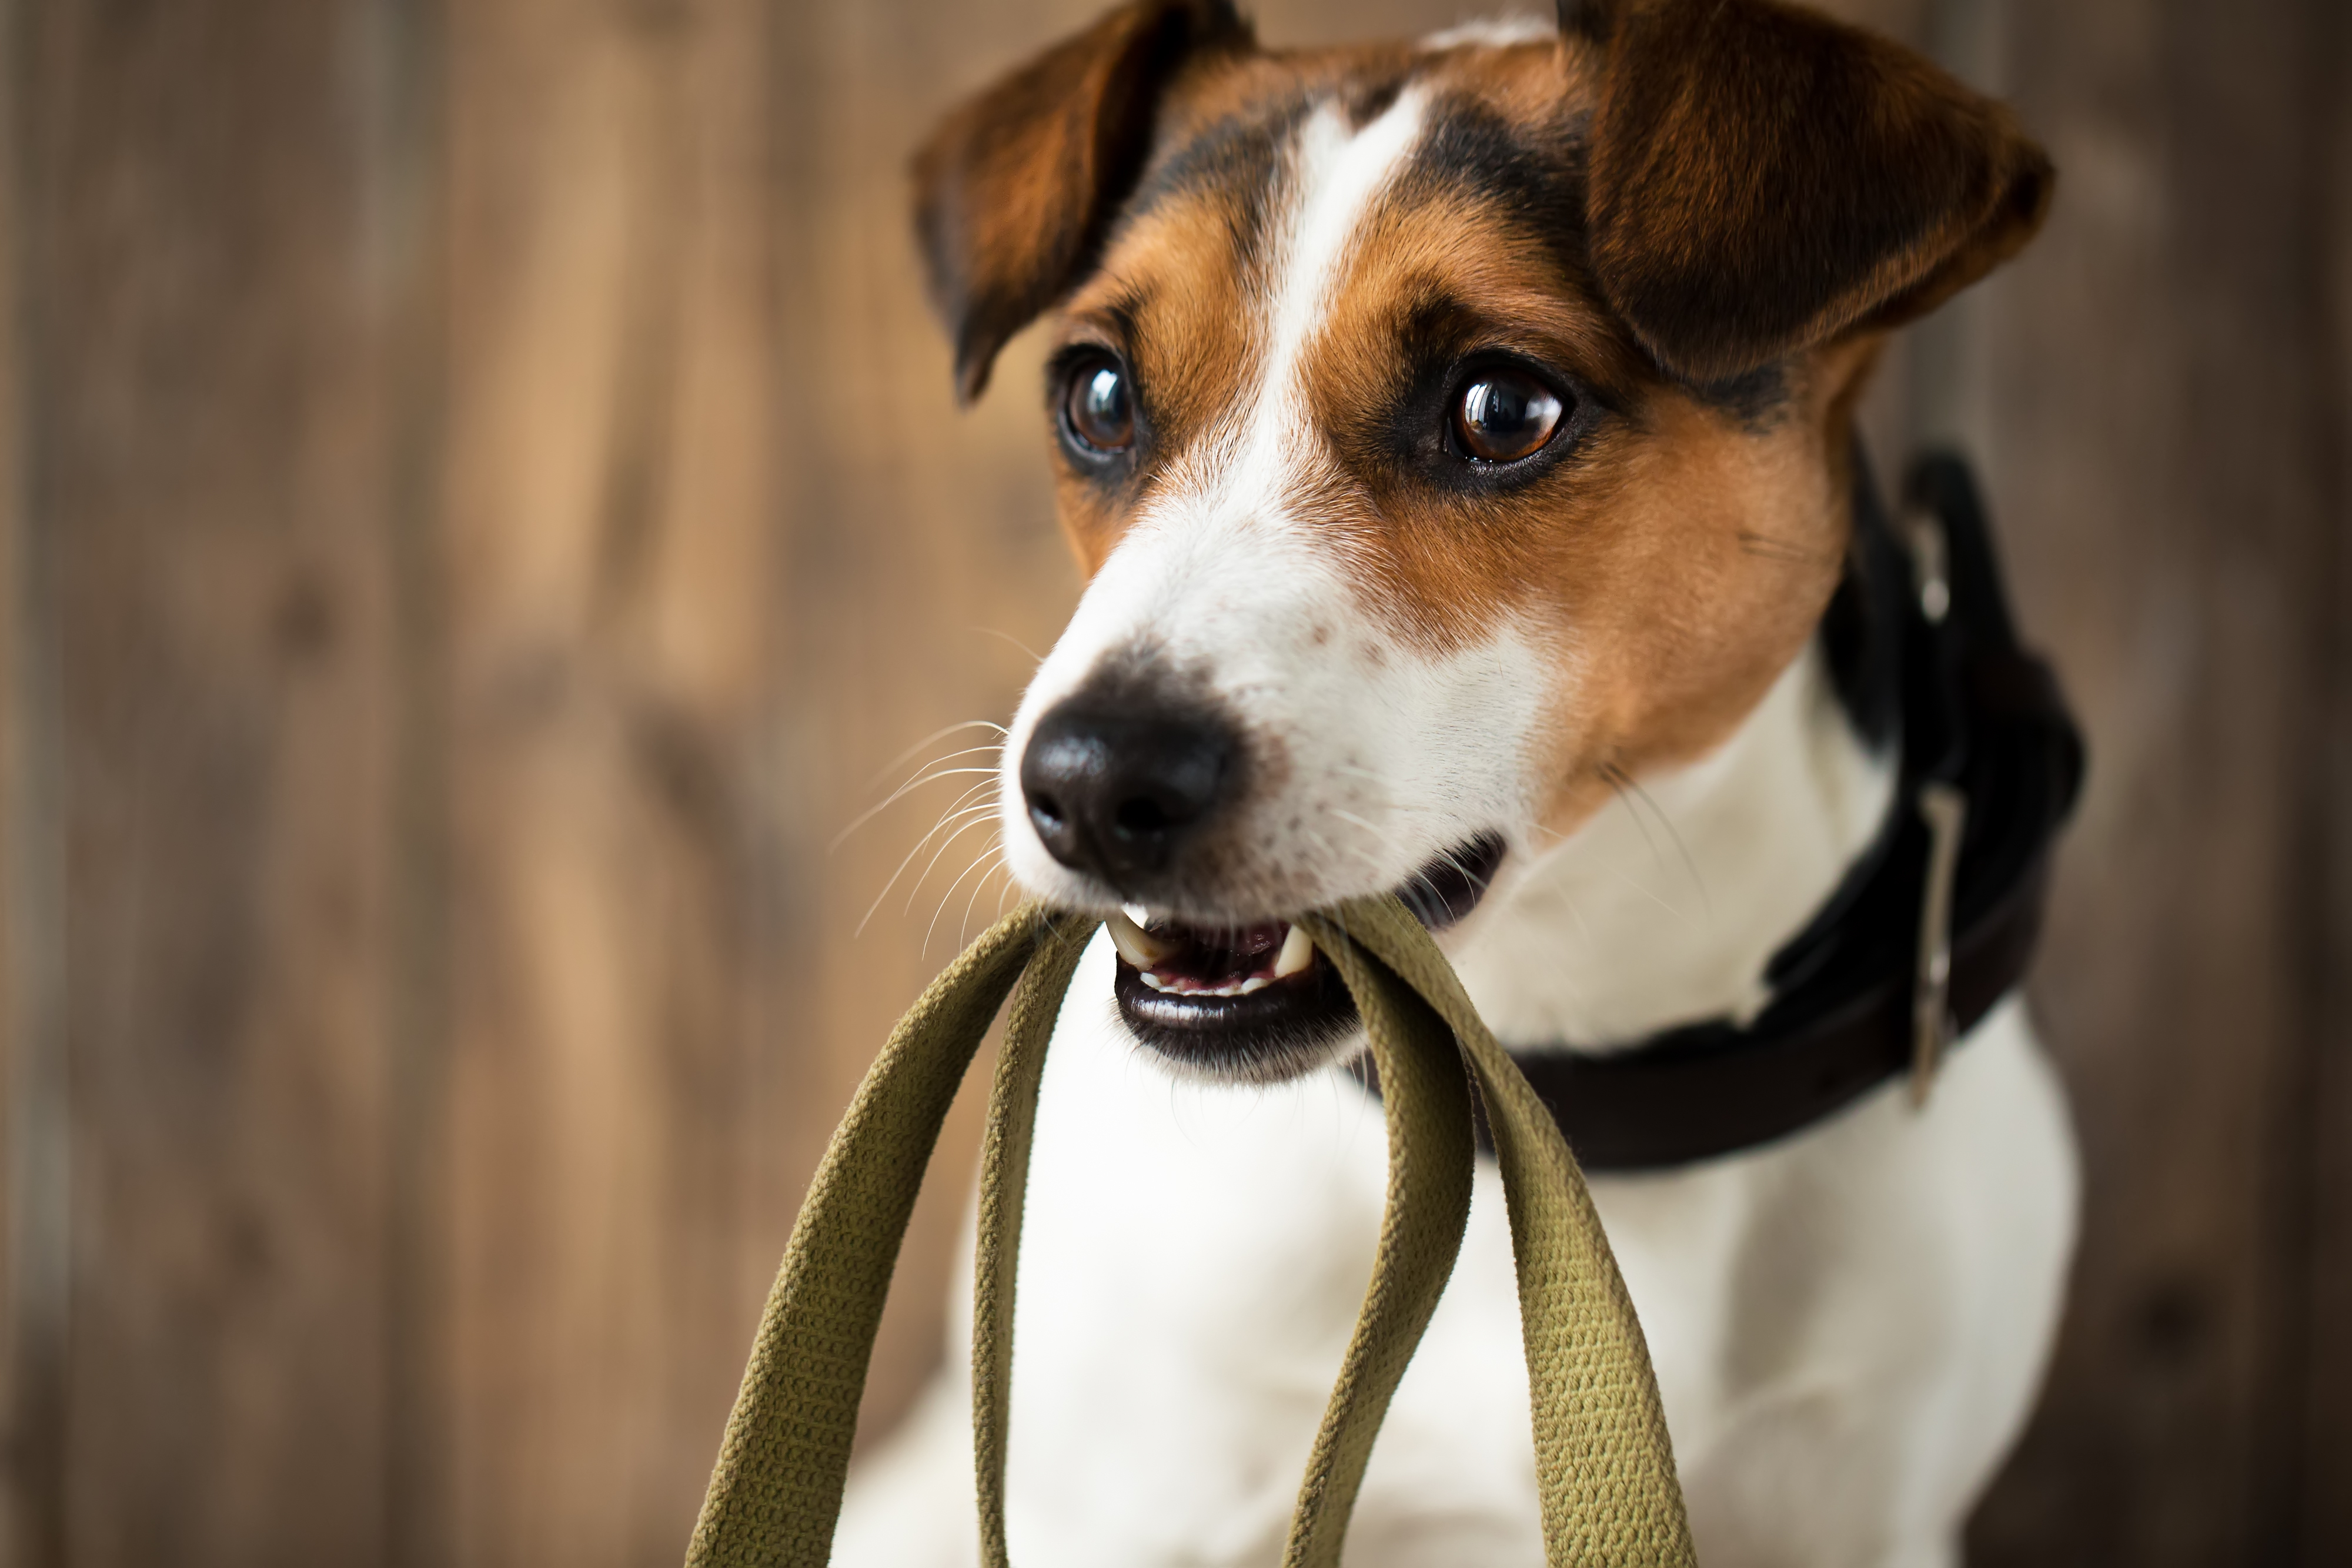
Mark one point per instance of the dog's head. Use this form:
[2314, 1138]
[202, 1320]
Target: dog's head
[1446, 431]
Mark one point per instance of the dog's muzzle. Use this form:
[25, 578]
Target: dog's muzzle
[1126, 784]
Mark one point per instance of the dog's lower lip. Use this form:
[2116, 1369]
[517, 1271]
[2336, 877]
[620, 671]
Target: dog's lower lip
[1255, 1000]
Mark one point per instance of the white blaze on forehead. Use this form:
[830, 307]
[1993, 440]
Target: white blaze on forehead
[1209, 567]
[1336, 175]
[1242, 474]
[1495, 33]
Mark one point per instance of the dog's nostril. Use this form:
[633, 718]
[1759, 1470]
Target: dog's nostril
[1046, 812]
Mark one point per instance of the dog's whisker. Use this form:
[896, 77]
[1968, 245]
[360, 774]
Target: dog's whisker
[1654, 897]
[1617, 782]
[909, 859]
[962, 806]
[901, 793]
[1323, 841]
[936, 736]
[979, 865]
[1034, 657]
[992, 856]
[976, 820]
[991, 750]
[1623, 783]
[966, 805]
[1575, 911]
[1385, 801]
[1767, 547]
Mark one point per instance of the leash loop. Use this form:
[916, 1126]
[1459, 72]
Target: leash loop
[1605, 1469]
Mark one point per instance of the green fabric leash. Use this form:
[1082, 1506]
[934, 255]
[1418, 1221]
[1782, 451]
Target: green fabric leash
[1604, 1468]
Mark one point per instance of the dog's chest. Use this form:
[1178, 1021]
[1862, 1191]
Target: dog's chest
[1194, 1258]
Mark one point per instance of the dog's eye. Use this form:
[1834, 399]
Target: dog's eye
[1503, 416]
[1100, 412]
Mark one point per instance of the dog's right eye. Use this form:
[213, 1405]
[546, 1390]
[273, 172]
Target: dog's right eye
[1096, 405]
[1503, 416]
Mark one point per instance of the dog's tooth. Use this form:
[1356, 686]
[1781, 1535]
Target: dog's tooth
[1254, 983]
[1157, 984]
[1136, 944]
[1296, 952]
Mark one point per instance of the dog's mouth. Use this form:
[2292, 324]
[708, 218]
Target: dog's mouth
[1258, 1002]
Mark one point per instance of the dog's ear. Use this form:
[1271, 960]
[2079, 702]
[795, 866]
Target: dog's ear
[1013, 190]
[1763, 179]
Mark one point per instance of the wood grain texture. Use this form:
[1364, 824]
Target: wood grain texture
[2167, 495]
[34, 1150]
[210, 480]
[719, 550]
[2323, 1518]
[607, 548]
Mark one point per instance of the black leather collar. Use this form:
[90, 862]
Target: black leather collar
[1872, 989]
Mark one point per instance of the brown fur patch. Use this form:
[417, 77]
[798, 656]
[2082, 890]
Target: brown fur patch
[1015, 187]
[1764, 177]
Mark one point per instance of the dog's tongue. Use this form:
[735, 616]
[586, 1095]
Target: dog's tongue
[1197, 960]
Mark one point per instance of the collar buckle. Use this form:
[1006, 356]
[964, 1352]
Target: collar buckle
[1931, 576]
[1945, 808]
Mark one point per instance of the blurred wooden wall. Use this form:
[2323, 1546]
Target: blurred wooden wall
[479, 509]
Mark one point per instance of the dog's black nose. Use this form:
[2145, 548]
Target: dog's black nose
[1114, 788]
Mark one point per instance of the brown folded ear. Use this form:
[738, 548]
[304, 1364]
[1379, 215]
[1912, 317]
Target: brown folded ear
[1763, 178]
[1013, 189]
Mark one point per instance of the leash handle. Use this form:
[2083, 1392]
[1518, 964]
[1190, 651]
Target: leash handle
[1431, 1155]
[1604, 1467]
[1004, 1187]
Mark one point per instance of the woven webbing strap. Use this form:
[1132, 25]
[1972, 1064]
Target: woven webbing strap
[1605, 1470]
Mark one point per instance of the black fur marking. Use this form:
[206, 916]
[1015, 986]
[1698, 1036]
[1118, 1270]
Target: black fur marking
[1758, 398]
[1594, 20]
[1368, 101]
[1241, 158]
[1536, 182]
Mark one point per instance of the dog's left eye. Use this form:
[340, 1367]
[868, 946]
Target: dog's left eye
[1097, 406]
[1503, 416]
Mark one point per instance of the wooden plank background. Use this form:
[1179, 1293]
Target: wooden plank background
[480, 514]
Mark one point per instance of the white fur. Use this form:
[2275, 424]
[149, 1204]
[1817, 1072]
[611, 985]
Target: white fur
[1494, 33]
[1848, 1326]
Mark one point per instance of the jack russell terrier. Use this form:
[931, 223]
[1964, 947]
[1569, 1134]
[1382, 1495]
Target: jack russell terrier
[1457, 440]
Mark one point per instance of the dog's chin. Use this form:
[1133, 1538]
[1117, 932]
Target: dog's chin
[1254, 1002]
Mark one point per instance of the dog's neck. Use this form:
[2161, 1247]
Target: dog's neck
[1666, 906]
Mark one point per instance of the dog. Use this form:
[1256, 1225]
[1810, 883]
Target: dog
[1457, 437]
